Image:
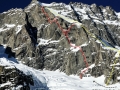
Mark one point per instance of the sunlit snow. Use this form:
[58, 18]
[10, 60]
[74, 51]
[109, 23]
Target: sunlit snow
[56, 80]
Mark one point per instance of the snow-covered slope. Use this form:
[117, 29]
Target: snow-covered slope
[56, 80]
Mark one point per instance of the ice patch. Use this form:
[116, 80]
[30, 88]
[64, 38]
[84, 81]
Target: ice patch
[98, 41]
[91, 66]
[74, 49]
[10, 25]
[45, 42]
[112, 22]
[117, 47]
[118, 14]
[97, 21]
[81, 10]
[83, 45]
[85, 17]
[7, 27]
[18, 28]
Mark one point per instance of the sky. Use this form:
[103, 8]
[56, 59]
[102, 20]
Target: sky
[6, 5]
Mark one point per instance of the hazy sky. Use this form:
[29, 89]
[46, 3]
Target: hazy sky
[8, 4]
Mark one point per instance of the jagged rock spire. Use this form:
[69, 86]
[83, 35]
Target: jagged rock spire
[35, 0]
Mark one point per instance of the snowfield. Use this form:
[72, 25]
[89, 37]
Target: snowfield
[56, 80]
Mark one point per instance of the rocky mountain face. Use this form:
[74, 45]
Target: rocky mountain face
[12, 78]
[41, 45]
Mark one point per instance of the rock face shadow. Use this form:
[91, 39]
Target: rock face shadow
[7, 53]
[32, 31]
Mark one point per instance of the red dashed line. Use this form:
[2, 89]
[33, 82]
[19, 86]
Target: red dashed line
[65, 33]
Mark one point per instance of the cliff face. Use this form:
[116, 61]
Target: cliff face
[10, 76]
[39, 44]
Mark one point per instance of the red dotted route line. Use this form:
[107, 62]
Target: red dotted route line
[65, 33]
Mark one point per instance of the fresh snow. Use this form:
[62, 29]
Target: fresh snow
[82, 13]
[10, 25]
[117, 54]
[18, 28]
[98, 41]
[97, 21]
[117, 47]
[91, 66]
[5, 84]
[7, 27]
[118, 14]
[85, 17]
[74, 49]
[112, 22]
[43, 41]
[46, 42]
[45, 4]
[118, 78]
[56, 80]
[83, 45]
[81, 10]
